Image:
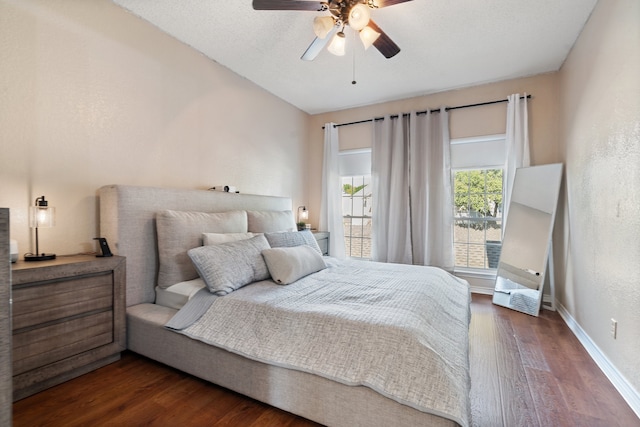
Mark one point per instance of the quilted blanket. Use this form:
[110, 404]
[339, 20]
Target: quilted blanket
[400, 330]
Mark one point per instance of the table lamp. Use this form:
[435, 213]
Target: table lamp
[41, 215]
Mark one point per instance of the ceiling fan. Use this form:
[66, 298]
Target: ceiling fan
[330, 28]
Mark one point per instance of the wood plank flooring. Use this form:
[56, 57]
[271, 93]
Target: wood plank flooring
[525, 371]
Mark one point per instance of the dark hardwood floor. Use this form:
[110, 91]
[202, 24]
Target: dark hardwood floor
[525, 371]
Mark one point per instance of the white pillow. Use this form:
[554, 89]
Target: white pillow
[178, 295]
[230, 266]
[270, 221]
[286, 265]
[179, 231]
[218, 238]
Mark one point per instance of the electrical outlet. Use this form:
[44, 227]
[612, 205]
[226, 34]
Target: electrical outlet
[614, 328]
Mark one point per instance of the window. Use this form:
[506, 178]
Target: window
[355, 172]
[356, 214]
[477, 188]
[478, 218]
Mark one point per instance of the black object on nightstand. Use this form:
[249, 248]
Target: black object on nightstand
[104, 247]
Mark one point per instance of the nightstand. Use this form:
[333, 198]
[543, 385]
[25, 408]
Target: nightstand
[322, 237]
[68, 319]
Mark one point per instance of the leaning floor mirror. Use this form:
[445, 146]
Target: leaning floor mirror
[526, 258]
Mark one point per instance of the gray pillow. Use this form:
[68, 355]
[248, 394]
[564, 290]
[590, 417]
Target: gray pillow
[270, 221]
[230, 266]
[180, 231]
[286, 265]
[218, 238]
[292, 238]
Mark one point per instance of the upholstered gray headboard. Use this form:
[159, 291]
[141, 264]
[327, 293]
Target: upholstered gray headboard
[127, 220]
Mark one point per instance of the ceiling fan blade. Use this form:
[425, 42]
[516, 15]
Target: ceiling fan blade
[289, 5]
[385, 3]
[317, 45]
[384, 44]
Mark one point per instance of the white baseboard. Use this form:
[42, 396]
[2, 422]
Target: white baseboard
[479, 283]
[481, 290]
[629, 394]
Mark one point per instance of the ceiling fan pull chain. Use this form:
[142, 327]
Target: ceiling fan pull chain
[353, 48]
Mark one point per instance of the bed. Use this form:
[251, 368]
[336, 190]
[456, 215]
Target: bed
[140, 224]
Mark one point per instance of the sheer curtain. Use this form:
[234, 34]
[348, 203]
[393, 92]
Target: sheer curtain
[516, 146]
[411, 180]
[331, 202]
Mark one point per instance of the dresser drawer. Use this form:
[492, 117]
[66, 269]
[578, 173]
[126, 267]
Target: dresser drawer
[36, 304]
[57, 341]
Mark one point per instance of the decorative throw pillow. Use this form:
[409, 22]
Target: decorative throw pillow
[270, 221]
[230, 266]
[180, 231]
[286, 265]
[218, 238]
[292, 238]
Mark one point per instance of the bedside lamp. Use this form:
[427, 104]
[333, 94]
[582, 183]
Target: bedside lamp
[303, 214]
[303, 217]
[41, 216]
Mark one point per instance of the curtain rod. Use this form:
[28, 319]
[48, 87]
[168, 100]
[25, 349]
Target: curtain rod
[429, 111]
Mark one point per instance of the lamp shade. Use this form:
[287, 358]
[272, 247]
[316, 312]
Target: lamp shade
[42, 215]
[368, 36]
[359, 16]
[303, 214]
[322, 25]
[337, 45]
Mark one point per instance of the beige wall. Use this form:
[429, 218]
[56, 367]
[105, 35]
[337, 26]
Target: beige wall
[91, 95]
[600, 130]
[476, 121]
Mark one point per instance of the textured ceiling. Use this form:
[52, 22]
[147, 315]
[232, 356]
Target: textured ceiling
[445, 45]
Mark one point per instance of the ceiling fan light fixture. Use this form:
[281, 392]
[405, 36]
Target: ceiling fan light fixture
[368, 36]
[359, 16]
[322, 25]
[337, 45]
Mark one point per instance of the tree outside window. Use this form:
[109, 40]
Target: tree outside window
[478, 217]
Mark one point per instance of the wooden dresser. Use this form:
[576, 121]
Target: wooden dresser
[68, 319]
[5, 321]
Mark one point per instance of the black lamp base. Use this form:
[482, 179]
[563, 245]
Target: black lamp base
[39, 257]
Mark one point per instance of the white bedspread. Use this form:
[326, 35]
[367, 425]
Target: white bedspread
[400, 330]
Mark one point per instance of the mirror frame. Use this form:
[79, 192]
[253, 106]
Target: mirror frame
[519, 285]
